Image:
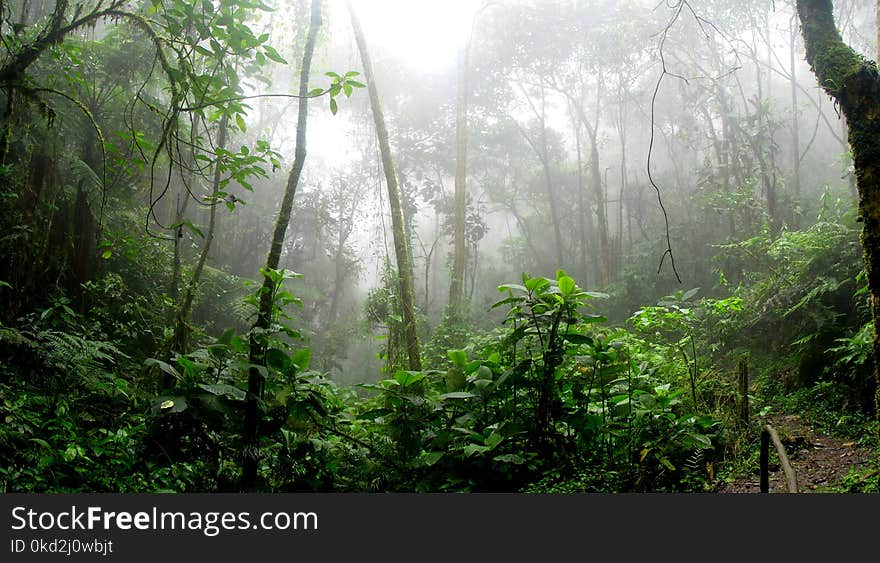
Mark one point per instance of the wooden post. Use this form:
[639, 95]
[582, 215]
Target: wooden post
[744, 390]
[765, 460]
[768, 433]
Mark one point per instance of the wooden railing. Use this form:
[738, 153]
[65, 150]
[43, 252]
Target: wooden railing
[768, 434]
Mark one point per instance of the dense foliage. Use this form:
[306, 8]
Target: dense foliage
[136, 133]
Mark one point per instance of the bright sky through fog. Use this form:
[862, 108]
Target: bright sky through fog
[425, 33]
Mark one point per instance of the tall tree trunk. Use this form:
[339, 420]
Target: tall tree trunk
[621, 129]
[795, 130]
[459, 253]
[596, 181]
[401, 241]
[181, 330]
[583, 212]
[256, 379]
[855, 84]
[85, 228]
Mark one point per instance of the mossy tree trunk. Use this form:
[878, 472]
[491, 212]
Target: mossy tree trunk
[401, 241]
[257, 356]
[855, 84]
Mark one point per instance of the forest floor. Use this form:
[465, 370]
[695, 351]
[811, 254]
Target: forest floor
[819, 461]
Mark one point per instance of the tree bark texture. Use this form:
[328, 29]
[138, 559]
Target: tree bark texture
[855, 84]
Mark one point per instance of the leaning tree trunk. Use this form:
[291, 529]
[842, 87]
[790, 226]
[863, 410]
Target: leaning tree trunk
[855, 84]
[401, 244]
[256, 379]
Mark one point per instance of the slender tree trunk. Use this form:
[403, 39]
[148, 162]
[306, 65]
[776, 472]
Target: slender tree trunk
[855, 84]
[459, 253]
[621, 129]
[583, 212]
[795, 130]
[401, 242]
[181, 330]
[256, 379]
[601, 216]
[345, 226]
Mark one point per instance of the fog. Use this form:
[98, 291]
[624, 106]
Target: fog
[529, 62]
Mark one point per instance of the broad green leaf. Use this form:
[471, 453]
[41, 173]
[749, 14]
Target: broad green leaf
[277, 359]
[566, 285]
[163, 366]
[458, 357]
[430, 458]
[406, 378]
[224, 390]
[472, 449]
[511, 287]
[456, 395]
[302, 358]
[239, 120]
[333, 107]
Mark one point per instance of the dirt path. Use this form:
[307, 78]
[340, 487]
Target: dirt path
[819, 461]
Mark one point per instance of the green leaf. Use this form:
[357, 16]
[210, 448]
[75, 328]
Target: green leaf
[458, 357]
[277, 359]
[106, 254]
[333, 107]
[356, 84]
[689, 293]
[510, 458]
[666, 463]
[188, 224]
[430, 458]
[576, 338]
[347, 89]
[315, 92]
[163, 366]
[239, 120]
[511, 287]
[273, 54]
[224, 390]
[472, 449]
[351, 73]
[406, 378]
[456, 395]
[302, 358]
[566, 285]
[167, 404]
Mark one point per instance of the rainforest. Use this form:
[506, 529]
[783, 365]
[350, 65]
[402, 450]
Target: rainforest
[528, 246]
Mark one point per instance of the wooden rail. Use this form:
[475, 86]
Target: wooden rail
[768, 433]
